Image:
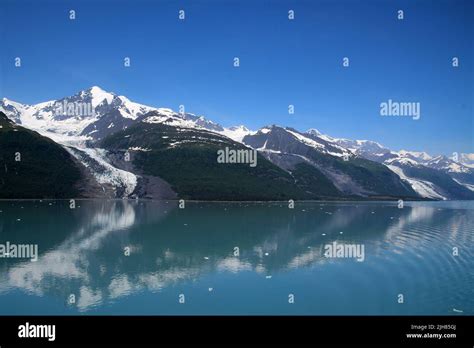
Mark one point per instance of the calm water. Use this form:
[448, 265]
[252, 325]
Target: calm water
[190, 251]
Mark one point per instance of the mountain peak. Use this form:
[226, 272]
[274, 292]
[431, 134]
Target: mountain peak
[273, 126]
[439, 158]
[239, 127]
[421, 155]
[96, 89]
[97, 95]
[313, 131]
[6, 101]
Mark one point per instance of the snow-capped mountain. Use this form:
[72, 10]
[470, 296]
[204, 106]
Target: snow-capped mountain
[427, 176]
[13, 109]
[432, 177]
[66, 119]
[419, 157]
[368, 149]
[362, 168]
[416, 167]
[379, 153]
[92, 114]
[467, 159]
[275, 138]
[237, 133]
[364, 148]
[448, 165]
[312, 157]
[185, 120]
[375, 151]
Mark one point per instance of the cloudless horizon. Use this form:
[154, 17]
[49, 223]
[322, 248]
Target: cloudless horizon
[282, 62]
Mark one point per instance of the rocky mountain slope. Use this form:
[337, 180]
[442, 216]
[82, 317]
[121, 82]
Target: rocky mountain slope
[34, 166]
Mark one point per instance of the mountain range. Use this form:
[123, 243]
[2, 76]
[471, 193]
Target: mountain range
[100, 144]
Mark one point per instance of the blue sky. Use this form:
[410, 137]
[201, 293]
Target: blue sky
[283, 62]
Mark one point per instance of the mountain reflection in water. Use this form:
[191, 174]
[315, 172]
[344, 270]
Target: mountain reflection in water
[237, 258]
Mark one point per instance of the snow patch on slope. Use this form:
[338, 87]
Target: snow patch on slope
[419, 155]
[237, 133]
[425, 189]
[468, 186]
[95, 159]
[98, 96]
[305, 140]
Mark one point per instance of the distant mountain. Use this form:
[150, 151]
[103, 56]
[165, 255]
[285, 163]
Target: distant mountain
[236, 133]
[467, 159]
[367, 149]
[350, 174]
[95, 127]
[431, 177]
[431, 183]
[447, 164]
[461, 173]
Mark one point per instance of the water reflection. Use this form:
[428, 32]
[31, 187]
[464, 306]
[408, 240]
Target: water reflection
[83, 251]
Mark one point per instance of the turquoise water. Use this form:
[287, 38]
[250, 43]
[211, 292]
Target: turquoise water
[192, 252]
